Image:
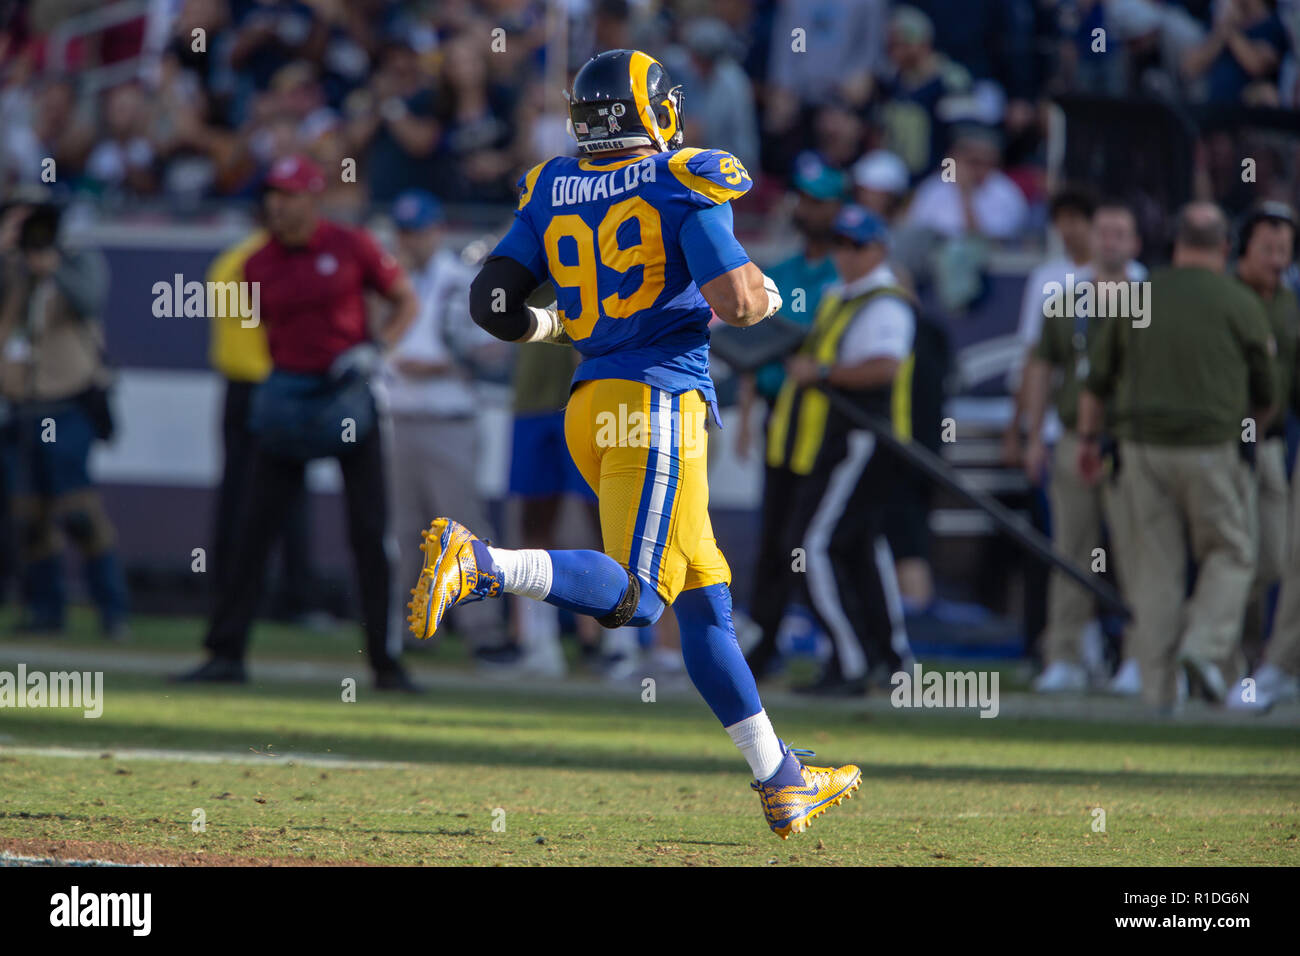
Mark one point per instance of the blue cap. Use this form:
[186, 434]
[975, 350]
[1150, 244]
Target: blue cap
[860, 225]
[416, 209]
[813, 177]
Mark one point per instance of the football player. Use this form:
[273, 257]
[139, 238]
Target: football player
[636, 238]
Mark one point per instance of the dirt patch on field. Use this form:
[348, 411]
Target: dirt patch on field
[72, 852]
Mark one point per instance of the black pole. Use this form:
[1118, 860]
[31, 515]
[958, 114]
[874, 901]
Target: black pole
[942, 474]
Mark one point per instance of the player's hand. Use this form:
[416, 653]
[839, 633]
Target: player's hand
[744, 439]
[1012, 452]
[1089, 462]
[1035, 460]
[803, 369]
[774, 301]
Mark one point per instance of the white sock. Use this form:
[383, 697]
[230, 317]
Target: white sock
[525, 572]
[759, 743]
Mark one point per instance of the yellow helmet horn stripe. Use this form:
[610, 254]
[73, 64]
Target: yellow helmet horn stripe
[671, 130]
[640, 66]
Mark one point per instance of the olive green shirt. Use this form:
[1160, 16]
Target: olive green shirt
[1284, 319]
[1056, 347]
[1189, 377]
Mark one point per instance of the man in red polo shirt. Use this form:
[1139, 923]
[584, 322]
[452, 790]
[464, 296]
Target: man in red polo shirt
[311, 276]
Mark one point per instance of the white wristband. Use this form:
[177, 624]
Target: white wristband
[774, 301]
[547, 326]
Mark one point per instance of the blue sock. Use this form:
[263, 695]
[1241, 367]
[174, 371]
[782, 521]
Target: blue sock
[713, 659]
[586, 582]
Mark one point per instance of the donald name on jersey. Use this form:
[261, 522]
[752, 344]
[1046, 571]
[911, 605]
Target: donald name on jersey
[578, 190]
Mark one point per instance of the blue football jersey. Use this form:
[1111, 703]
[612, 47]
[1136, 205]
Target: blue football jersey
[609, 235]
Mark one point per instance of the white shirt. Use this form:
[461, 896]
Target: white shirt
[883, 328]
[442, 329]
[999, 206]
[1031, 305]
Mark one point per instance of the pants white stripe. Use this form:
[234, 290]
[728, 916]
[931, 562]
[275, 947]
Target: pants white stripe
[656, 522]
[893, 597]
[821, 575]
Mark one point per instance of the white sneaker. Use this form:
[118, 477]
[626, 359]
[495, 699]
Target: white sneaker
[1277, 683]
[1127, 681]
[541, 655]
[545, 658]
[667, 660]
[1092, 652]
[1062, 677]
[1272, 685]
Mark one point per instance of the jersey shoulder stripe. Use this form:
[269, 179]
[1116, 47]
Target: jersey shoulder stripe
[527, 182]
[713, 176]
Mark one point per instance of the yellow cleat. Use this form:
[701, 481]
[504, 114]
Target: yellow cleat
[457, 570]
[796, 795]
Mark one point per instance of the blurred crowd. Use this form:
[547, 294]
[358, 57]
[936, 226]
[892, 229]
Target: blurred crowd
[411, 113]
[189, 101]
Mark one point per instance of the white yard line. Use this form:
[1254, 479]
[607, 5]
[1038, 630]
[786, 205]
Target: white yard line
[15, 859]
[207, 756]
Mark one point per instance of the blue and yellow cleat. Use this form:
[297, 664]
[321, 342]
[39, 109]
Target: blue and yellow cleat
[795, 794]
[457, 570]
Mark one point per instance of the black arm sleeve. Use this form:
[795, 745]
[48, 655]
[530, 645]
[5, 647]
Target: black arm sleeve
[497, 298]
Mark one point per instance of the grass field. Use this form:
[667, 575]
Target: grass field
[284, 771]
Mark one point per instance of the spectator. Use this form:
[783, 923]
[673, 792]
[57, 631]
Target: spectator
[238, 353]
[269, 34]
[1072, 646]
[992, 39]
[1070, 215]
[124, 159]
[435, 458]
[803, 279]
[312, 277]
[974, 197]
[474, 161]
[1239, 60]
[55, 375]
[392, 123]
[880, 181]
[860, 345]
[819, 52]
[1266, 249]
[722, 96]
[39, 123]
[920, 80]
[823, 50]
[1178, 386]
[839, 134]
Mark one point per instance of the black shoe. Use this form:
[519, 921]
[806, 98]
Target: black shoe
[397, 680]
[833, 685]
[218, 670]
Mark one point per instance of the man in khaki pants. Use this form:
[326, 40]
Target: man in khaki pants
[1076, 507]
[1177, 383]
[1277, 679]
[1267, 245]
